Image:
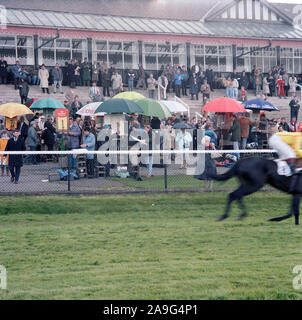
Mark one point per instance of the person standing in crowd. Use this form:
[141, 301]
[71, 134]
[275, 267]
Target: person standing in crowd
[294, 108]
[32, 142]
[43, 76]
[23, 90]
[194, 86]
[271, 82]
[77, 74]
[245, 123]
[293, 125]
[74, 133]
[178, 79]
[266, 89]
[89, 144]
[23, 128]
[71, 74]
[280, 86]
[262, 130]
[235, 88]
[17, 71]
[206, 90]
[117, 83]
[210, 77]
[148, 130]
[57, 75]
[242, 96]
[16, 143]
[95, 70]
[244, 81]
[292, 81]
[106, 81]
[229, 87]
[4, 159]
[236, 134]
[258, 81]
[3, 70]
[49, 135]
[35, 77]
[112, 70]
[163, 81]
[95, 93]
[210, 170]
[285, 77]
[141, 77]
[151, 86]
[86, 73]
[185, 76]
[183, 140]
[131, 78]
[284, 124]
[75, 106]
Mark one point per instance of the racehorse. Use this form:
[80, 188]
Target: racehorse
[253, 173]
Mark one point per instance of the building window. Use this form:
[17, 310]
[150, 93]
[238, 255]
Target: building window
[62, 51]
[219, 57]
[17, 48]
[292, 59]
[156, 55]
[123, 54]
[264, 59]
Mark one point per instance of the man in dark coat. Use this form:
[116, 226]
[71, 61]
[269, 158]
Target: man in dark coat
[23, 90]
[194, 86]
[3, 70]
[294, 108]
[49, 135]
[16, 143]
[210, 77]
[71, 74]
[23, 127]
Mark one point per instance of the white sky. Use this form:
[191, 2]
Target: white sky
[286, 1]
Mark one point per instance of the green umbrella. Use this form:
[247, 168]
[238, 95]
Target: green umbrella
[153, 108]
[119, 106]
[47, 103]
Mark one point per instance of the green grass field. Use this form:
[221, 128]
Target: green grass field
[123, 247]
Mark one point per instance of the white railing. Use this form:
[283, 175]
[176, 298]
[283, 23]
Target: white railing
[159, 86]
[184, 104]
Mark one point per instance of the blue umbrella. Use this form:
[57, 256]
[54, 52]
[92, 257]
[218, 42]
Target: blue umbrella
[259, 104]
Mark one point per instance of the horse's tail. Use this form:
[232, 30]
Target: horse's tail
[226, 176]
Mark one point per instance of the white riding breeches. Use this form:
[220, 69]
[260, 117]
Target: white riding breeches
[283, 149]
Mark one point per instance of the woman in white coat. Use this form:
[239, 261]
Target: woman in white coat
[266, 90]
[292, 81]
[183, 141]
[43, 76]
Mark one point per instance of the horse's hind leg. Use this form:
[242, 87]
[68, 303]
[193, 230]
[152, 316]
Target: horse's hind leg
[238, 195]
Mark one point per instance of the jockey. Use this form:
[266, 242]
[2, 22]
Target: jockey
[288, 146]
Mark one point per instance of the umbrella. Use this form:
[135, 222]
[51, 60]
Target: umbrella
[89, 110]
[181, 125]
[153, 108]
[29, 102]
[47, 103]
[129, 95]
[174, 106]
[223, 105]
[11, 110]
[119, 106]
[259, 104]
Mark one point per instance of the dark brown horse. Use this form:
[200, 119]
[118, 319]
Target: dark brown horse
[253, 174]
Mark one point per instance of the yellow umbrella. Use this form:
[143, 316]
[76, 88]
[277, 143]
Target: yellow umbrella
[129, 95]
[11, 110]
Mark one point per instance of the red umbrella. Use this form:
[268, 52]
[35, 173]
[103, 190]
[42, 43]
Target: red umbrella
[224, 105]
[29, 102]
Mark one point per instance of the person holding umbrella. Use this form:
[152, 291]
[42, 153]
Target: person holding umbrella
[16, 143]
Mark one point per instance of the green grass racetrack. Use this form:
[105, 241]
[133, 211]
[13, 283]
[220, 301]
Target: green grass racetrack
[165, 246]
